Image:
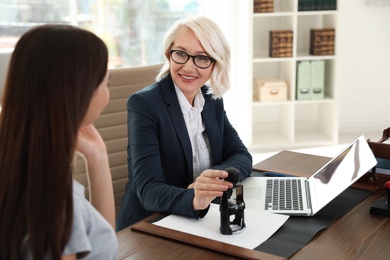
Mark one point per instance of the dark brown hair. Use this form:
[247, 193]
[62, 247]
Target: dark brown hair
[53, 73]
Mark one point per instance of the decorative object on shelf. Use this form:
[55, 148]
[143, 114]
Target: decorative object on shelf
[303, 80]
[316, 5]
[322, 41]
[310, 80]
[263, 6]
[269, 90]
[281, 43]
[317, 79]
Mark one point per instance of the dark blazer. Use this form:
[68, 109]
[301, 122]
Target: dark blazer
[160, 154]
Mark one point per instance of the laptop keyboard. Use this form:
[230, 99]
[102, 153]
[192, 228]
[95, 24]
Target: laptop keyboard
[284, 194]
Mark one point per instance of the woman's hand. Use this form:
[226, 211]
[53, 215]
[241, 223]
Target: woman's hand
[91, 145]
[208, 186]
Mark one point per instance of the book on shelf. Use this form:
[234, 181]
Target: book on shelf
[317, 5]
[327, 4]
[333, 5]
[307, 5]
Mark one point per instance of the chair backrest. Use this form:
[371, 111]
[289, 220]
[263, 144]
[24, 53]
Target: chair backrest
[4, 61]
[112, 125]
[381, 150]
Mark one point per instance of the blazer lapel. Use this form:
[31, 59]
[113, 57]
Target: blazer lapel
[213, 130]
[174, 110]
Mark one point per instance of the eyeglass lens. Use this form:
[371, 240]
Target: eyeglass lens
[182, 57]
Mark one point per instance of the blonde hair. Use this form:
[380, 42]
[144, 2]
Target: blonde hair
[215, 44]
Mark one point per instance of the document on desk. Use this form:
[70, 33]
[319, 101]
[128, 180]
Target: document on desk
[259, 227]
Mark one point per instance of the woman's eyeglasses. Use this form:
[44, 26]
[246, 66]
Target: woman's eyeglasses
[200, 61]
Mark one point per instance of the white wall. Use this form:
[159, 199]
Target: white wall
[363, 69]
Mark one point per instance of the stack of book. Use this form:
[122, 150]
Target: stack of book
[263, 6]
[322, 41]
[281, 43]
[315, 5]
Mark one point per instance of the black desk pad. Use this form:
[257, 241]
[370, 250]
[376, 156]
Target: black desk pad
[298, 231]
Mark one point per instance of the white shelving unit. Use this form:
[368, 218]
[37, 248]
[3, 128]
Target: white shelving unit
[293, 123]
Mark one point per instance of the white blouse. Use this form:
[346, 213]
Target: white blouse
[201, 150]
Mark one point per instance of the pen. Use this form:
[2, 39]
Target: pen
[274, 174]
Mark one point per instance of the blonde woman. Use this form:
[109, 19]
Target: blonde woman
[180, 139]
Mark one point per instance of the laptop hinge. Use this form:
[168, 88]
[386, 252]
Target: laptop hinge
[308, 197]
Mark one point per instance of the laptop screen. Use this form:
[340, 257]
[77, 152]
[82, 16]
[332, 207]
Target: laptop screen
[340, 172]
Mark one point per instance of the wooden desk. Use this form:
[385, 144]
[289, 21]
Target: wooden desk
[356, 235]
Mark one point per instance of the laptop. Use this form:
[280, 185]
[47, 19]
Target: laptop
[300, 196]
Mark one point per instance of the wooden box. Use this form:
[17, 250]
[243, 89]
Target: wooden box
[281, 43]
[270, 90]
[263, 6]
[322, 41]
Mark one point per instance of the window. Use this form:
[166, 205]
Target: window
[133, 30]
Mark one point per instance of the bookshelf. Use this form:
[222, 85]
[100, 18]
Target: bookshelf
[293, 123]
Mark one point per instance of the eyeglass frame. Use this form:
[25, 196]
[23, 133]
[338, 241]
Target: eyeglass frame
[193, 58]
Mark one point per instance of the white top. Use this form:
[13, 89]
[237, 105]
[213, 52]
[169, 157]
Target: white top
[201, 150]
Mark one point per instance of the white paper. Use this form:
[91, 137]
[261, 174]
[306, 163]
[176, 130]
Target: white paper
[259, 226]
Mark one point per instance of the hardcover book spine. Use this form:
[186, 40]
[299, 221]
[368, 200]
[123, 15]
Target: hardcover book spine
[315, 5]
[333, 5]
